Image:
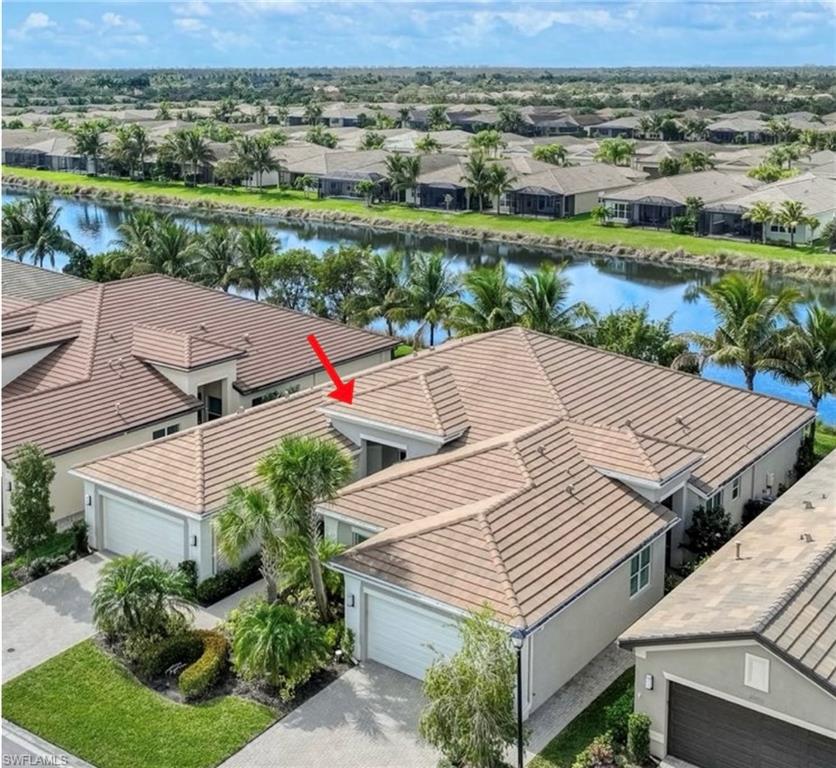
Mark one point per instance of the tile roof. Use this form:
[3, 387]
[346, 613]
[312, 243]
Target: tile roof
[709, 185]
[781, 590]
[817, 193]
[29, 283]
[93, 386]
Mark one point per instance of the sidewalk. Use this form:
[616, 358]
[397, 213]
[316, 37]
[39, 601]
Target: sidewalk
[23, 748]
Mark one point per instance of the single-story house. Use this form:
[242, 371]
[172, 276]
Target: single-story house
[621, 127]
[32, 284]
[556, 495]
[738, 130]
[737, 665]
[817, 194]
[48, 150]
[117, 364]
[654, 203]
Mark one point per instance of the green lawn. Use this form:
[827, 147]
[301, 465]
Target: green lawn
[85, 703]
[579, 227]
[562, 750]
[825, 440]
[59, 544]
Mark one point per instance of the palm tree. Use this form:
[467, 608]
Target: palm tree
[808, 355]
[615, 151]
[87, 142]
[30, 228]
[172, 250]
[477, 178]
[320, 136]
[490, 305]
[175, 149]
[554, 154]
[381, 289]
[402, 171]
[760, 213]
[130, 146]
[198, 152]
[254, 153]
[696, 160]
[540, 299]
[749, 320]
[142, 147]
[488, 141]
[220, 245]
[791, 214]
[299, 473]
[427, 144]
[257, 244]
[312, 112]
[501, 180]
[404, 114]
[432, 292]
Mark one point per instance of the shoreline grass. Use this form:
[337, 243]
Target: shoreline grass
[580, 228]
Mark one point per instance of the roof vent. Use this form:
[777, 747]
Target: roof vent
[113, 335]
[737, 551]
[246, 338]
[117, 409]
[806, 538]
[808, 504]
[203, 327]
[682, 423]
[628, 423]
[570, 489]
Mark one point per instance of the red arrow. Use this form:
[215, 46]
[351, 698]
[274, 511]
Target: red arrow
[343, 390]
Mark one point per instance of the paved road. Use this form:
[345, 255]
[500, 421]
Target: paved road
[23, 748]
[49, 615]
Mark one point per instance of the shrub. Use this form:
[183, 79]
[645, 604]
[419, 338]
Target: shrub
[751, 509]
[616, 716]
[79, 532]
[709, 530]
[296, 572]
[183, 648]
[638, 738]
[599, 754]
[30, 520]
[682, 225]
[229, 581]
[199, 677]
[40, 566]
[189, 570]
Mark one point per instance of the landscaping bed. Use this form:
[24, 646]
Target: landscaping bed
[56, 552]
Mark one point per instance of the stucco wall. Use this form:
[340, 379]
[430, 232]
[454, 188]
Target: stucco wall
[719, 667]
[570, 640]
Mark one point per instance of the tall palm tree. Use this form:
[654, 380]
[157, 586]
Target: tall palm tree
[808, 355]
[254, 153]
[488, 141]
[381, 289]
[490, 302]
[130, 146]
[175, 149]
[760, 213]
[30, 228]
[792, 214]
[554, 154]
[220, 246]
[427, 144]
[173, 250]
[198, 152]
[615, 151]
[88, 142]
[696, 160]
[500, 180]
[540, 299]
[394, 172]
[432, 292]
[256, 245]
[299, 473]
[477, 178]
[750, 318]
[404, 114]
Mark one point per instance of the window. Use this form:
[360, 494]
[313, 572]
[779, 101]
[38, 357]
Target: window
[714, 502]
[357, 537]
[162, 432]
[756, 673]
[639, 571]
[735, 487]
[620, 210]
[214, 407]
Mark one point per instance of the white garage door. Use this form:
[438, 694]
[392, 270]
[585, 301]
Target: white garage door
[405, 637]
[130, 528]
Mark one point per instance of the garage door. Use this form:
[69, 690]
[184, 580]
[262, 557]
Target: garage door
[399, 634]
[712, 733]
[130, 528]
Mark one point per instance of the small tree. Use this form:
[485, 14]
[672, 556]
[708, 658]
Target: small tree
[600, 215]
[470, 712]
[31, 509]
[638, 738]
[366, 188]
[709, 530]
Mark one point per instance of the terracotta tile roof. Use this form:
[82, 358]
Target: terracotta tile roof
[93, 386]
[14, 343]
[781, 590]
[708, 185]
[25, 281]
[177, 349]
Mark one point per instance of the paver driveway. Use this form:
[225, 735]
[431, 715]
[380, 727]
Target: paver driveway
[49, 615]
[366, 719]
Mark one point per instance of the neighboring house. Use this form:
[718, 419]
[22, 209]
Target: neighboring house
[548, 479]
[33, 284]
[739, 130]
[48, 150]
[737, 666]
[621, 127]
[817, 194]
[655, 203]
[120, 363]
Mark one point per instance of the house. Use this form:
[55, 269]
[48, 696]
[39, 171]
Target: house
[557, 494]
[621, 127]
[654, 203]
[48, 150]
[738, 130]
[31, 284]
[116, 364]
[816, 193]
[736, 666]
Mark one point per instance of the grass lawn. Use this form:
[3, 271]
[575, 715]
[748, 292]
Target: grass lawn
[825, 440]
[579, 227]
[59, 544]
[85, 703]
[562, 750]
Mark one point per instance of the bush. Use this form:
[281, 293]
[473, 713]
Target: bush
[183, 648]
[682, 225]
[30, 520]
[199, 677]
[79, 532]
[709, 530]
[40, 566]
[189, 570]
[638, 738]
[229, 581]
[616, 716]
[599, 754]
[751, 509]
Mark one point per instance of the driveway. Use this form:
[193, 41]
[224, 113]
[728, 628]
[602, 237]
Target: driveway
[368, 718]
[49, 615]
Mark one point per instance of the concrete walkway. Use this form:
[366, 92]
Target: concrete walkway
[49, 615]
[23, 748]
[206, 618]
[368, 718]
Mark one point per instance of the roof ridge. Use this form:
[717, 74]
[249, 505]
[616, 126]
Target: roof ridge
[94, 334]
[631, 433]
[539, 363]
[200, 475]
[425, 385]
[496, 557]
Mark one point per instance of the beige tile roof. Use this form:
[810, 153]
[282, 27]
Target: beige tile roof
[817, 193]
[709, 185]
[14, 343]
[782, 589]
[177, 349]
[30, 283]
[93, 386]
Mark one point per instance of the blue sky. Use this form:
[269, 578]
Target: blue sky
[283, 33]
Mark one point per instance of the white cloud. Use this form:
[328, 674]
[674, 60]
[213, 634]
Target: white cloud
[115, 21]
[85, 24]
[189, 24]
[222, 40]
[271, 6]
[35, 21]
[193, 8]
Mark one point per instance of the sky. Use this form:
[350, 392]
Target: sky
[545, 33]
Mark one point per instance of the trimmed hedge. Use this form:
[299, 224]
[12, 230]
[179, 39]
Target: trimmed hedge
[183, 648]
[199, 677]
[229, 581]
[638, 738]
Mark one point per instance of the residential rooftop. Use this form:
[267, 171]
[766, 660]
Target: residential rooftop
[29, 283]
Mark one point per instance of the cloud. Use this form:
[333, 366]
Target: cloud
[223, 40]
[85, 24]
[252, 7]
[115, 21]
[34, 22]
[189, 24]
[193, 8]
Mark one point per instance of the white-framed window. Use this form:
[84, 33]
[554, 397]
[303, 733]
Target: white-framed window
[620, 210]
[639, 571]
[357, 537]
[735, 487]
[163, 431]
[756, 672]
[714, 502]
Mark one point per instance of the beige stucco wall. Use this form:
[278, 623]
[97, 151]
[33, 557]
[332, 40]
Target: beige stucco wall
[719, 668]
[570, 640]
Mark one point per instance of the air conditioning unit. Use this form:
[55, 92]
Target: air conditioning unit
[770, 480]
